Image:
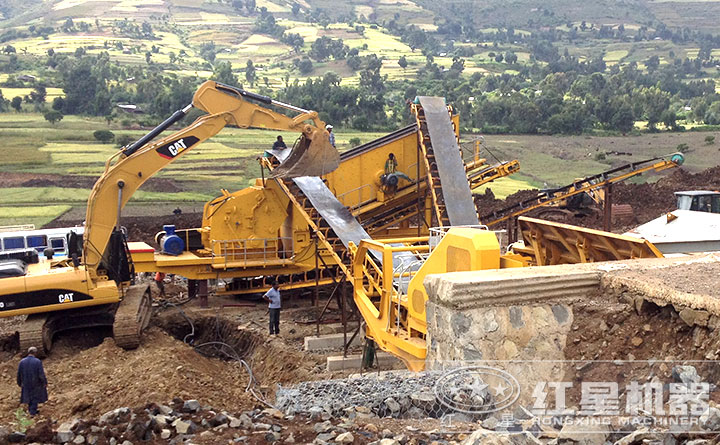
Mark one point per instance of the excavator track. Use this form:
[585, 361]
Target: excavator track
[33, 333]
[132, 316]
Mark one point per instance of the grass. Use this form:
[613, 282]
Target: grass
[504, 187]
[31, 195]
[38, 215]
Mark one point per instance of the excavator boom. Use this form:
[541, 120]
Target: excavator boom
[226, 105]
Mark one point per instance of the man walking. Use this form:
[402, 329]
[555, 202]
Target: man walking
[272, 296]
[31, 378]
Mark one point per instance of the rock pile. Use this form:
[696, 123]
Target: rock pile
[396, 395]
[178, 422]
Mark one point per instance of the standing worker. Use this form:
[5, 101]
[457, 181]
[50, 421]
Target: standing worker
[272, 296]
[31, 378]
[391, 164]
[329, 128]
[160, 282]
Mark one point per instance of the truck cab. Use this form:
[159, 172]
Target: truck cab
[699, 201]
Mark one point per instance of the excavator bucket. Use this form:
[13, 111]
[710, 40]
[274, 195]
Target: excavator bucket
[311, 156]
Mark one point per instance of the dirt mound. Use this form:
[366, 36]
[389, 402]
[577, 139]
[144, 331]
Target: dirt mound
[73, 181]
[486, 203]
[90, 382]
[648, 201]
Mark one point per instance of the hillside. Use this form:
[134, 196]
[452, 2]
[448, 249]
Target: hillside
[177, 33]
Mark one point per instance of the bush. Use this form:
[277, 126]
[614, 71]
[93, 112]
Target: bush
[104, 136]
[682, 148]
[709, 140]
[600, 157]
[53, 116]
[354, 142]
[124, 140]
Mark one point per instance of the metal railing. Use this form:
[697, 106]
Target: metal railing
[360, 195]
[239, 252]
[17, 228]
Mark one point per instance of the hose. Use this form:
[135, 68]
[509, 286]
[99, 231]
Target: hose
[188, 339]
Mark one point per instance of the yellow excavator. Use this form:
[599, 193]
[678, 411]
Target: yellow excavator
[93, 286]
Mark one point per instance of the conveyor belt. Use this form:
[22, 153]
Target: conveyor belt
[456, 192]
[338, 217]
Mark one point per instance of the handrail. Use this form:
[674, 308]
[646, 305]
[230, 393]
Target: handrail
[250, 249]
[341, 196]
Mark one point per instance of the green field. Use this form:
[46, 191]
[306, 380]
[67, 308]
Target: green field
[37, 215]
[35, 147]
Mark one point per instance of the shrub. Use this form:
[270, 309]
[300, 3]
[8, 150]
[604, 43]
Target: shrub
[53, 116]
[104, 136]
[124, 140]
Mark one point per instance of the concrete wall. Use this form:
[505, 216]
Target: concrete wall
[525, 315]
[511, 314]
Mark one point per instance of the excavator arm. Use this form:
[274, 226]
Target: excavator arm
[133, 165]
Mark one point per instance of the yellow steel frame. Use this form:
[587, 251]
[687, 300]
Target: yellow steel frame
[658, 166]
[551, 243]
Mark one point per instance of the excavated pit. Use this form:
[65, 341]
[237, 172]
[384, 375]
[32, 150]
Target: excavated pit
[86, 379]
[215, 336]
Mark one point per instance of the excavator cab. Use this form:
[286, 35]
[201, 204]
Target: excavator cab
[699, 201]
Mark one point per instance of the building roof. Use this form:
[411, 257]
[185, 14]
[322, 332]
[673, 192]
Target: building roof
[697, 193]
[682, 231]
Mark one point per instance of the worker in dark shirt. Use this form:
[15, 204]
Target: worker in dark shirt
[279, 144]
[31, 378]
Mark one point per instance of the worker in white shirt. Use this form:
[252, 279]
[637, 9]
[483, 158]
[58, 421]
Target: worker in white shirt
[272, 296]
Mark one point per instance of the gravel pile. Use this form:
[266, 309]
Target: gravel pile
[400, 396]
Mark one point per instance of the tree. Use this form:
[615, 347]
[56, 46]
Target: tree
[354, 62]
[669, 118]
[498, 57]
[295, 9]
[53, 116]
[304, 65]
[223, 74]
[511, 57]
[403, 62]
[250, 74]
[652, 63]
[623, 119]
[655, 101]
[9, 49]
[38, 94]
[104, 136]
[16, 103]
[58, 103]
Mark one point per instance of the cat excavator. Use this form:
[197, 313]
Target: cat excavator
[94, 285]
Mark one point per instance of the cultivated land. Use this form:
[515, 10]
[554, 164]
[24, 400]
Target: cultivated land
[46, 170]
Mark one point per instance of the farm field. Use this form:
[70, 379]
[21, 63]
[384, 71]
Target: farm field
[48, 170]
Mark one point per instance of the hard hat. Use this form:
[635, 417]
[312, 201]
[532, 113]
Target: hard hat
[328, 127]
